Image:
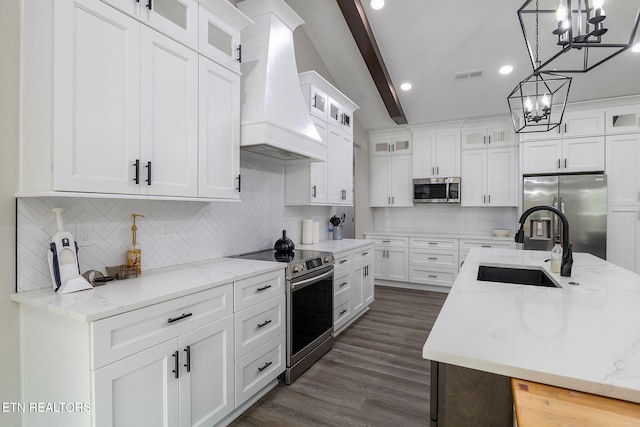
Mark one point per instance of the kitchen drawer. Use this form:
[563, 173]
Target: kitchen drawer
[342, 262]
[389, 241]
[431, 258]
[434, 243]
[258, 368]
[256, 289]
[430, 276]
[468, 244]
[363, 255]
[122, 335]
[341, 314]
[258, 324]
[341, 284]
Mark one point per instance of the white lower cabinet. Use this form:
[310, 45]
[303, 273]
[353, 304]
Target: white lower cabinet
[352, 285]
[623, 236]
[433, 261]
[467, 244]
[390, 257]
[189, 361]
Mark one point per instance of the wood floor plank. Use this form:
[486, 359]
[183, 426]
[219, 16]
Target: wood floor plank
[373, 376]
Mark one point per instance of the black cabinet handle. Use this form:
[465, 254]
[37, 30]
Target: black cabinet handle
[149, 5]
[264, 288]
[188, 364]
[148, 173]
[265, 323]
[176, 364]
[343, 312]
[175, 319]
[239, 49]
[137, 165]
[565, 163]
[343, 284]
[239, 183]
[342, 261]
[365, 253]
[313, 192]
[266, 365]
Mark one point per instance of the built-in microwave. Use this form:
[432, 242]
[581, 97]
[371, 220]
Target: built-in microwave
[436, 190]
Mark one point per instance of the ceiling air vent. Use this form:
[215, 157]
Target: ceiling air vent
[465, 75]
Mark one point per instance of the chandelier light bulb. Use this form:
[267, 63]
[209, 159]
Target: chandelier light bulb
[545, 101]
[598, 4]
[528, 105]
[561, 13]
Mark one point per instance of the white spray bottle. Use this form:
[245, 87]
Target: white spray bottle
[63, 260]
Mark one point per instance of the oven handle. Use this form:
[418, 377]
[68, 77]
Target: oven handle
[311, 281]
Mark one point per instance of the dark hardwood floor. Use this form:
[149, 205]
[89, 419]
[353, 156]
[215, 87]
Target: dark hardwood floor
[373, 376]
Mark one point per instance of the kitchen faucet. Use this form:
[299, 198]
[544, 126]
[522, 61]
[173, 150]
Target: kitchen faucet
[567, 252]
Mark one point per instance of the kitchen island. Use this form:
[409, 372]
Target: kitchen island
[583, 336]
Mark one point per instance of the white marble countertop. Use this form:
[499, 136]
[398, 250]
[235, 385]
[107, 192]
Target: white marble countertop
[336, 246]
[487, 236]
[584, 337]
[152, 287]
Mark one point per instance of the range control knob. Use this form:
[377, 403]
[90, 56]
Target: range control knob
[328, 259]
[297, 268]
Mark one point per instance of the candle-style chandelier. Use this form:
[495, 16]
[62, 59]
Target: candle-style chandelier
[577, 35]
[537, 104]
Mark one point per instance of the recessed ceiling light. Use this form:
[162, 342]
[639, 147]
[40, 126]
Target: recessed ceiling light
[377, 4]
[636, 48]
[405, 86]
[506, 69]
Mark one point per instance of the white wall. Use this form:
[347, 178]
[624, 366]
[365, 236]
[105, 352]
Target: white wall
[9, 345]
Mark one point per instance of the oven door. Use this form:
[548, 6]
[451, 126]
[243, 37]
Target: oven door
[310, 314]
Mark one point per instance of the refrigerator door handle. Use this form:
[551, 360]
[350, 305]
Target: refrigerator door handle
[554, 219]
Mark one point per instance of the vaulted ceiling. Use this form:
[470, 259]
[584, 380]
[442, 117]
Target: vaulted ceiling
[427, 42]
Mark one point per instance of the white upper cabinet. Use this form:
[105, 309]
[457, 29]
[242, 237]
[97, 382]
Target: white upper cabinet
[176, 18]
[219, 138]
[219, 33]
[558, 156]
[623, 120]
[484, 137]
[436, 153]
[574, 124]
[623, 169]
[391, 182]
[398, 144]
[489, 177]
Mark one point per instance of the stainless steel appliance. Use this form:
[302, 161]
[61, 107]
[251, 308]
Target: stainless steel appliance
[436, 190]
[583, 200]
[309, 296]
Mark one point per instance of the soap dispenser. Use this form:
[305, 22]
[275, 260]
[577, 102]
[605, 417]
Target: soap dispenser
[134, 253]
[556, 256]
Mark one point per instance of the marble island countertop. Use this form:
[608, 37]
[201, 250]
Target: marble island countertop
[584, 337]
[508, 238]
[152, 287]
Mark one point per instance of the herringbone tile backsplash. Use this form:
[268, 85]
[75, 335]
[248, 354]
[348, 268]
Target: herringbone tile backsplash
[199, 231]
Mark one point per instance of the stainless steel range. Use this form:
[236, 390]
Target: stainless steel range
[309, 292]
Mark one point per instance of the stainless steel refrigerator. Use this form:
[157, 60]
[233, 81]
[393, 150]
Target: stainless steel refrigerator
[583, 200]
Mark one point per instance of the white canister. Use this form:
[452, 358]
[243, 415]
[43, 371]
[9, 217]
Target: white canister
[316, 232]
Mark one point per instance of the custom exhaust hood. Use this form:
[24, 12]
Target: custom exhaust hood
[275, 120]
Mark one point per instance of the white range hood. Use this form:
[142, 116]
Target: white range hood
[275, 120]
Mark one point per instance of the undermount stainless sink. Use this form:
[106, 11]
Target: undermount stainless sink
[516, 275]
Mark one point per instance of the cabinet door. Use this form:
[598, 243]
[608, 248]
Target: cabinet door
[368, 285]
[319, 170]
[500, 136]
[176, 18]
[541, 156]
[379, 263]
[423, 160]
[447, 153]
[474, 138]
[401, 182]
[218, 40]
[380, 181]
[346, 169]
[623, 173]
[334, 180]
[318, 103]
[219, 131]
[206, 378]
[139, 390]
[580, 123]
[583, 154]
[502, 180]
[623, 237]
[357, 289]
[398, 264]
[473, 183]
[169, 123]
[622, 120]
[97, 98]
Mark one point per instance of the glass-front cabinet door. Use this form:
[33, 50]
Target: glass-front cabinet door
[219, 34]
[176, 18]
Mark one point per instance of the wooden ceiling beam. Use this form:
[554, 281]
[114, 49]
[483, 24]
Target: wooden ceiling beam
[358, 24]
